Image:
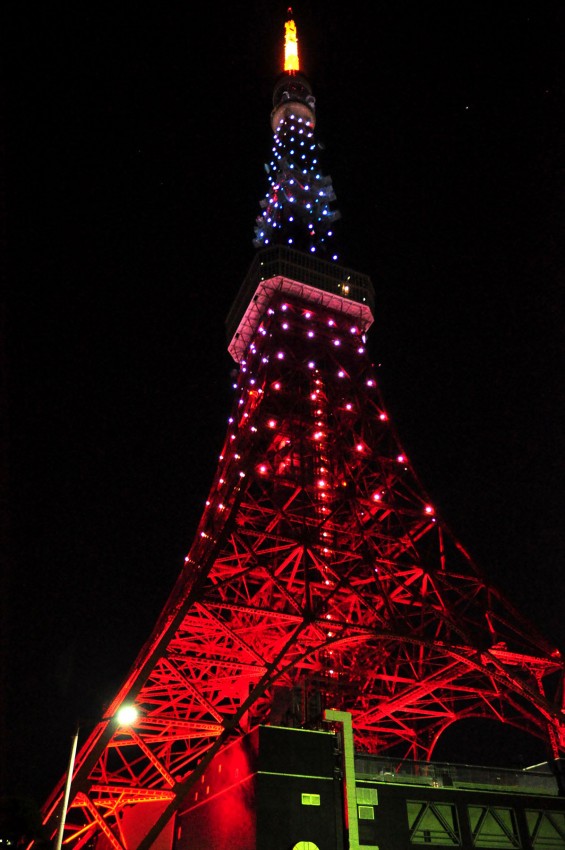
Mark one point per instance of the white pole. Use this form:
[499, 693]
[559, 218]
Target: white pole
[68, 783]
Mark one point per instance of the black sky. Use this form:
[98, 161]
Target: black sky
[134, 162]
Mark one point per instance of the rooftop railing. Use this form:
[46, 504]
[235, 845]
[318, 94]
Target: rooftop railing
[458, 776]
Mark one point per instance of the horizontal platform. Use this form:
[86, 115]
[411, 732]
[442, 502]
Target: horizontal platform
[378, 769]
[280, 269]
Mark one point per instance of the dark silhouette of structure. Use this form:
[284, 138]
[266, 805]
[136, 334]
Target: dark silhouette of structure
[321, 584]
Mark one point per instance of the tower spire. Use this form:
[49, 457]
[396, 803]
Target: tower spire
[297, 209]
[291, 59]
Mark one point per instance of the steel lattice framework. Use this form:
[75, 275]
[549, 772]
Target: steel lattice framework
[320, 577]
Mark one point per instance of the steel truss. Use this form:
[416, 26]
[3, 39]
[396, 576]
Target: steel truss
[320, 577]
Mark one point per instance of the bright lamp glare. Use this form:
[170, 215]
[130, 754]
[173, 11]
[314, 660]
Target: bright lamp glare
[127, 715]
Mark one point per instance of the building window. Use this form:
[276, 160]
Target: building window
[310, 799]
[433, 823]
[493, 826]
[547, 829]
[366, 812]
[367, 796]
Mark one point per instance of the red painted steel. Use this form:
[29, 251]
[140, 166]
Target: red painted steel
[320, 577]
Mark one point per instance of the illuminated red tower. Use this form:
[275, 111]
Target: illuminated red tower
[320, 576]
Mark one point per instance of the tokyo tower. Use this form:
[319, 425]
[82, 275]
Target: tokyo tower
[320, 577]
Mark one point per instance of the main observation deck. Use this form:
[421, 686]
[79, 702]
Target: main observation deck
[281, 269]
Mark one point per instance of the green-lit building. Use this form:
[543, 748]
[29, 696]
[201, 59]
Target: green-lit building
[290, 789]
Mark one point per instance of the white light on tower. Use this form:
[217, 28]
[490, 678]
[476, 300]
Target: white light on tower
[127, 715]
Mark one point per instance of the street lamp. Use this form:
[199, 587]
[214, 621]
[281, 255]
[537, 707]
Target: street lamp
[68, 782]
[125, 716]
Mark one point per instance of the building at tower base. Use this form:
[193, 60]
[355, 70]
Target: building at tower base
[280, 788]
[272, 788]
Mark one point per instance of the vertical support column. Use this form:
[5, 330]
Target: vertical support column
[344, 719]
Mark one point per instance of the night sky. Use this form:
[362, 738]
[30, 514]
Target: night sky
[134, 161]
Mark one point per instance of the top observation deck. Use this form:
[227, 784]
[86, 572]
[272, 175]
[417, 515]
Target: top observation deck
[281, 269]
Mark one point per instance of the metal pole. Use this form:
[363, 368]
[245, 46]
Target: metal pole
[68, 784]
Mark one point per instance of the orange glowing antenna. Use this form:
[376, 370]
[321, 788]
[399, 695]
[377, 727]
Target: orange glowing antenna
[290, 45]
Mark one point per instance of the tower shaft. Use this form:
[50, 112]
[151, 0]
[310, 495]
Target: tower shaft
[320, 577]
